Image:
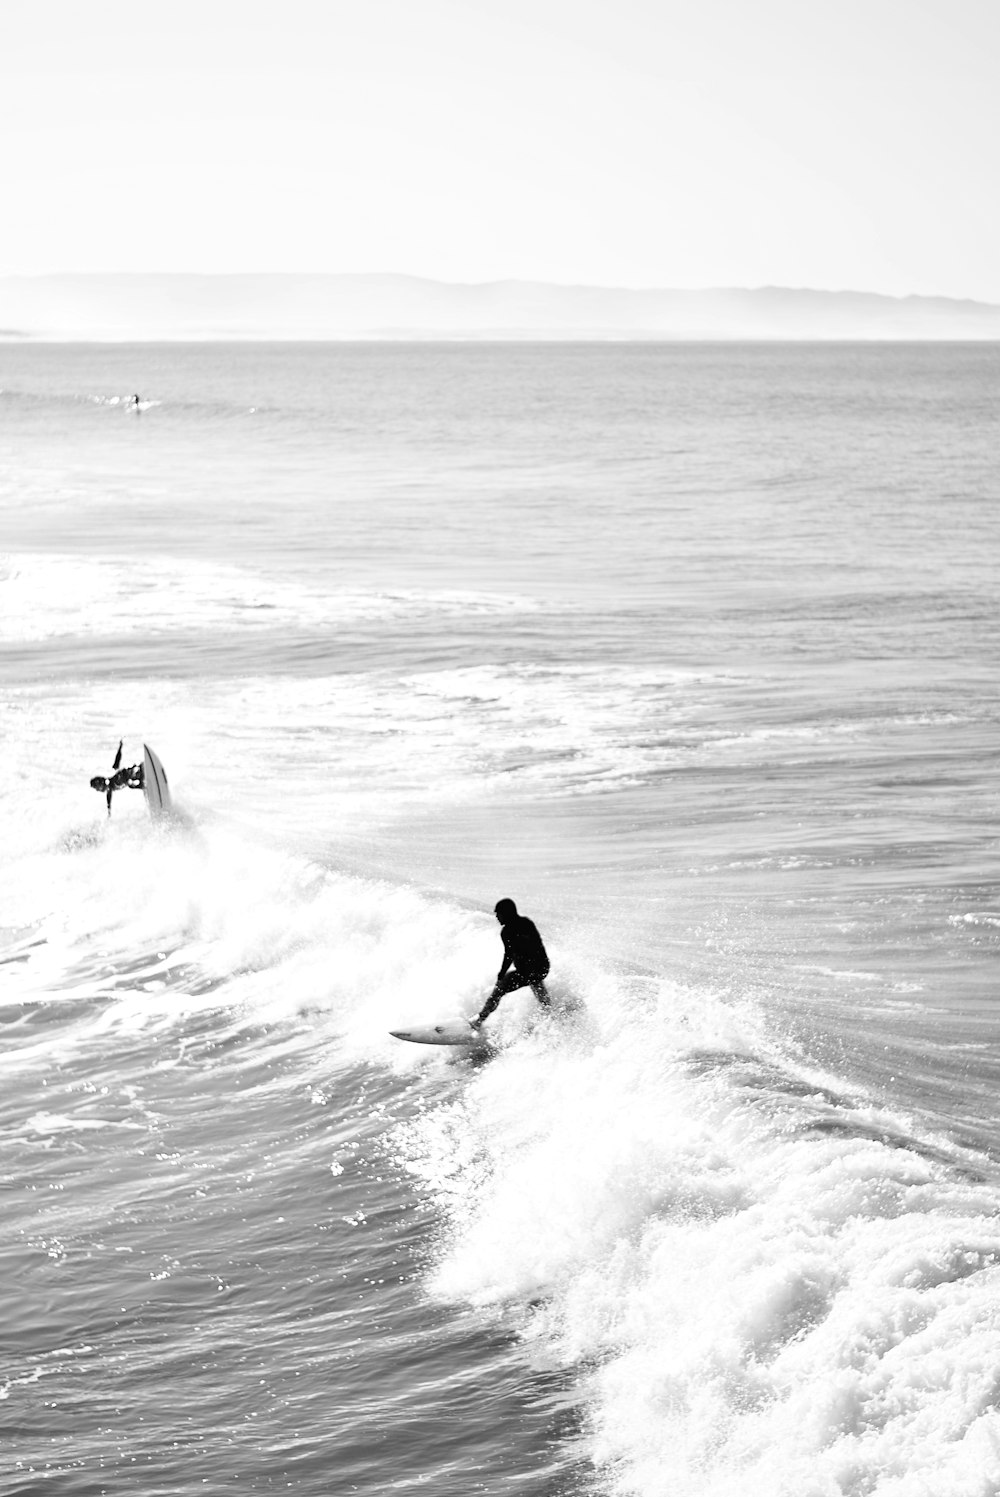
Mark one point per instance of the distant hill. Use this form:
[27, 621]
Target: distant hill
[299, 307]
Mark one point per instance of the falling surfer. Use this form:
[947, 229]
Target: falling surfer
[132, 777]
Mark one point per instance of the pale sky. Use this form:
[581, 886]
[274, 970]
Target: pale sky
[842, 144]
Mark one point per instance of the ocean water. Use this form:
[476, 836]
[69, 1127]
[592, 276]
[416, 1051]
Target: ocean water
[692, 651]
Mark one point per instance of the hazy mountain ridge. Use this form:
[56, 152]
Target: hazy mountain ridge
[319, 307]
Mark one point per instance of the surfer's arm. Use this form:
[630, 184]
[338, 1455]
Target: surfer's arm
[508, 959]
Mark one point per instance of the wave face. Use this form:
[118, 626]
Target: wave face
[689, 651]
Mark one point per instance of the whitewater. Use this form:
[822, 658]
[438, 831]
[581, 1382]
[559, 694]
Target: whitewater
[689, 649]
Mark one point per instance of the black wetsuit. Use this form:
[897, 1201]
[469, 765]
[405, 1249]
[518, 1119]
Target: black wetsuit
[133, 776]
[524, 951]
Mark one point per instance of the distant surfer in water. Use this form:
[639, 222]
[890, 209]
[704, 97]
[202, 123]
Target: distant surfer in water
[133, 776]
[525, 961]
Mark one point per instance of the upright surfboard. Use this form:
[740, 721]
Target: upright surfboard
[451, 1032]
[154, 785]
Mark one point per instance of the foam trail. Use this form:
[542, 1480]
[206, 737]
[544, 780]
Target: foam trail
[756, 1292]
[138, 926]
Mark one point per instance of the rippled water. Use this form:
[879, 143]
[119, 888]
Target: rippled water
[690, 650]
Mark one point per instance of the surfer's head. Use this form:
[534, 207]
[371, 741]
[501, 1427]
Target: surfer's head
[505, 910]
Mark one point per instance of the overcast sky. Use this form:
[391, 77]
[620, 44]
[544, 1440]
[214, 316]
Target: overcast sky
[826, 143]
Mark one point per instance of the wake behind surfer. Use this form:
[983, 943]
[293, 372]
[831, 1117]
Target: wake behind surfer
[525, 960]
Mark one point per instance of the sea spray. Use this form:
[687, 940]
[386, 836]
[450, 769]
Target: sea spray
[785, 1303]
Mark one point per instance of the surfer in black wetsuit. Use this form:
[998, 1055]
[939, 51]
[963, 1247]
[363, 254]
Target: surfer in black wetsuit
[133, 776]
[525, 956]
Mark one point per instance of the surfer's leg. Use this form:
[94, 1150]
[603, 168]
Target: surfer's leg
[509, 983]
[541, 992]
[492, 1003]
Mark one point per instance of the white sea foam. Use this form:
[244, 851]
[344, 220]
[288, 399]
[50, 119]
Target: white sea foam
[990, 919]
[143, 925]
[358, 746]
[50, 597]
[45, 1123]
[752, 1305]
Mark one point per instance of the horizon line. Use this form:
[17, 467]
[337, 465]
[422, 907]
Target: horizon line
[509, 280]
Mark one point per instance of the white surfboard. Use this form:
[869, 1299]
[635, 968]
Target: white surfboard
[450, 1032]
[155, 786]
